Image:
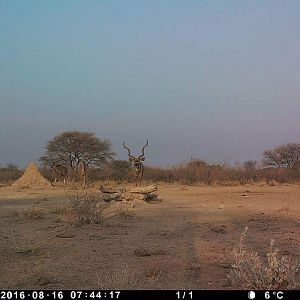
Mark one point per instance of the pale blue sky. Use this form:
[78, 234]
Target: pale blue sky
[216, 80]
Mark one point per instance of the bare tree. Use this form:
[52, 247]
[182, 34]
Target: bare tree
[286, 155]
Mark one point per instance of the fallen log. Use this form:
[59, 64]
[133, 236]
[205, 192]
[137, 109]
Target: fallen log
[130, 197]
[110, 197]
[143, 189]
[136, 196]
[138, 193]
[111, 190]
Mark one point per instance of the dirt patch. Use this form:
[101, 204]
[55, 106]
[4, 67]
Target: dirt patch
[184, 239]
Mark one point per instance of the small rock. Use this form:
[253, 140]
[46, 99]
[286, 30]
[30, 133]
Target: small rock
[46, 279]
[225, 265]
[142, 252]
[245, 196]
[152, 272]
[219, 229]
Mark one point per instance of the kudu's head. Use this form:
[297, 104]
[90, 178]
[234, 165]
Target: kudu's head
[136, 161]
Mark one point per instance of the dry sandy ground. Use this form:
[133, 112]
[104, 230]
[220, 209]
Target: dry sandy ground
[187, 236]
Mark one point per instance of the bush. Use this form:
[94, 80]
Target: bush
[10, 173]
[249, 271]
[33, 213]
[198, 172]
[87, 209]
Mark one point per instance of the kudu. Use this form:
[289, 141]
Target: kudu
[61, 172]
[138, 166]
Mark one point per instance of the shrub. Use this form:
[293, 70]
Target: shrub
[250, 272]
[10, 173]
[198, 172]
[33, 213]
[87, 209]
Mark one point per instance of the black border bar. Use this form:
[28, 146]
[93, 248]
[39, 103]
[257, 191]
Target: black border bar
[148, 294]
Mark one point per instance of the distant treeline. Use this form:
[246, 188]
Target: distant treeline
[280, 164]
[199, 172]
[191, 172]
[10, 173]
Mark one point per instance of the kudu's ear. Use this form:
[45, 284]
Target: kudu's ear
[142, 158]
[130, 159]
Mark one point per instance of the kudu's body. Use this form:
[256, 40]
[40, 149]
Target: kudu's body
[61, 172]
[138, 166]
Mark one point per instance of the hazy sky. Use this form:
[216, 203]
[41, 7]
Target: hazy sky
[215, 80]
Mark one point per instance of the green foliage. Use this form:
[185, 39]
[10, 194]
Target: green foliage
[118, 170]
[121, 169]
[71, 147]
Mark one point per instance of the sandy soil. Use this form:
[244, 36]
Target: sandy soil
[185, 238]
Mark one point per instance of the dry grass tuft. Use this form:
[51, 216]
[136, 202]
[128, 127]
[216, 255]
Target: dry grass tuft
[33, 213]
[273, 183]
[126, 211]
[87, 208]
[126, 279]
[14, 213]
[21, 248]
[249, 271]
[60, 210]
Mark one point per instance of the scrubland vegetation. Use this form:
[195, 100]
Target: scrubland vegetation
[280, 165]
[192, 172]
[186, 227]
[251, 272]
[10, 173]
